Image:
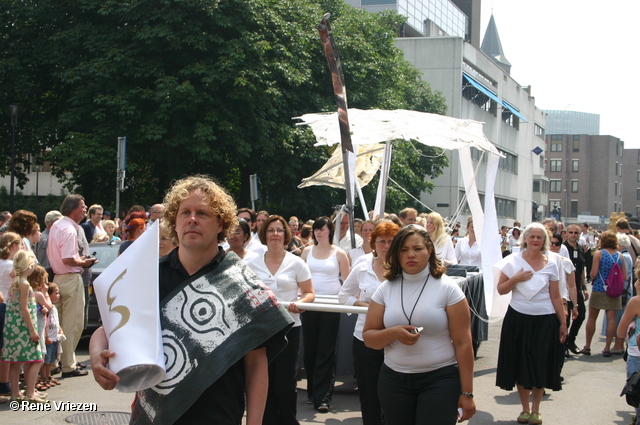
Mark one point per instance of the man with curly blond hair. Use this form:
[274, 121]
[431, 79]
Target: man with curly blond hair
[221, 326]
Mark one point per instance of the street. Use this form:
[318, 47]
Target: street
[590, 395]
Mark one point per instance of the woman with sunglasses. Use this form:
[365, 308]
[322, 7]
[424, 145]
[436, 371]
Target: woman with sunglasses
[534, 327]
[421, 318]
[238, 240]
[287, 276]
[567, 281]
[357, 290]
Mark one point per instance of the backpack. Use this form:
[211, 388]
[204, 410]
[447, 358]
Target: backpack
[632, 390]
[614, 285]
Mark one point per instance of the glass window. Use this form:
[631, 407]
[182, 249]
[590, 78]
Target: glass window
[574, 186]
[555, 186]
[575, 165]
[639, 176]
[576, 145]
[555, 165]
[536, 185]
[556, 146]
[574, 208]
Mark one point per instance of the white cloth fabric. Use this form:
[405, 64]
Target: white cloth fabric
[434, 349]
[468, 255]
[356, 253]
[361, 284]
[565, 266]
[345, 243]
[284, 283]
[53, 324]
[365, 257]
[531, 297]
[325, 273]
[255, 245]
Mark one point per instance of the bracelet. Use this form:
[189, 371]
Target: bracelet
[470, 395]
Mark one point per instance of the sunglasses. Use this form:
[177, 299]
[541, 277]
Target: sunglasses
[573, 233]
[556, 243]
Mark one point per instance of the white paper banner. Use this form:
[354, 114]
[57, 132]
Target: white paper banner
[128, 298]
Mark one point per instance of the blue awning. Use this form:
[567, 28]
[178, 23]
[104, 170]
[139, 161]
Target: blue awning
[513, 110]
[475, 83]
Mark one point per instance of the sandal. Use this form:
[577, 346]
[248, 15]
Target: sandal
[586, 351]
[524, 417]
[42, 386]
[606, 353]
[535, 419]
[53, 381]
[37, 399]
[3, 399]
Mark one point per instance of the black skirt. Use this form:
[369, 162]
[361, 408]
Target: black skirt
[530, 352]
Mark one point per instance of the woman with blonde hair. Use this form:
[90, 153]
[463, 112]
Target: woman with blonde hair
[441, 240]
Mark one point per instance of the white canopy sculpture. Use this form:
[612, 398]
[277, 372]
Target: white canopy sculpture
[376, 125]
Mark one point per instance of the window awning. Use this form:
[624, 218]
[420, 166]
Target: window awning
[475, 83]
[513, 110]
[478, 85]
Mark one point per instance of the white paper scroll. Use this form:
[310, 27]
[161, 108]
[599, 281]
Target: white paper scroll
[128, 298]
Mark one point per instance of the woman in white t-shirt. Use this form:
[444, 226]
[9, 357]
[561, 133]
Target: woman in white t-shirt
[327, 263]
[362, 283]
[441, 240]
[287, 276]
[467, 249]
[534, 328]
[421, 318]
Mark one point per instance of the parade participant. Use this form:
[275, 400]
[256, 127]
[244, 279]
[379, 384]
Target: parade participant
[408, 216]
[359, 252]
[238, 240]
[167, 243]
[441, 240]
[468, 249]
[287, 276]
[344, 233]
[421, 319]
[534, 327]
[327, 263]
[201, 214]
[357, 290]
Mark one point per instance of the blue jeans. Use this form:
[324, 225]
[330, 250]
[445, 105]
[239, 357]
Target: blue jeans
[633, 365]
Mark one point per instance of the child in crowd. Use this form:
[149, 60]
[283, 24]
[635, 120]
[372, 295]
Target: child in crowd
[110, 228]
[21, 340]
[53, 335]
[38, 281]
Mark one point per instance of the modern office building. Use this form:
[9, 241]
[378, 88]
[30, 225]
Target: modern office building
[572, 122]
[631, 182]
[586, 175]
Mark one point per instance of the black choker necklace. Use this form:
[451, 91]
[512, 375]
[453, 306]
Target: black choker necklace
[418, 299]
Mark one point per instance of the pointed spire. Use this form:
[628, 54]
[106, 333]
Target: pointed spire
[492, 47]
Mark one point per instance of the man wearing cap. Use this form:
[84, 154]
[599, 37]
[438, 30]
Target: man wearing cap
[40, 248]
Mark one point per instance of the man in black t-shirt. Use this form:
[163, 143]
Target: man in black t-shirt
[577, 256]
[200, 214]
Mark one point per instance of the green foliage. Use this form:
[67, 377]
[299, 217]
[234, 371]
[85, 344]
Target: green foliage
[198, 86]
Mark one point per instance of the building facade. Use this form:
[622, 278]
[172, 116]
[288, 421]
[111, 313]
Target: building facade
[572, 122]
[585, 175]
[631, 182]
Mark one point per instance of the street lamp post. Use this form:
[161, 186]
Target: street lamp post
[13, 112]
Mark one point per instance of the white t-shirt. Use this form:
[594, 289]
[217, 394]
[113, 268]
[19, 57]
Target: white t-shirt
[284, 283]
[345, 243]
[6, 266]
[434, 349]
[361, 284]
[354, 254]
[531, 297]
[445, 251]
[565, 266]
[255, 245]
[468, 255]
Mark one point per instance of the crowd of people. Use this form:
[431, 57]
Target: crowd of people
[412, 351]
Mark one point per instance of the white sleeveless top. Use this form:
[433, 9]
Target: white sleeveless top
[325, 274]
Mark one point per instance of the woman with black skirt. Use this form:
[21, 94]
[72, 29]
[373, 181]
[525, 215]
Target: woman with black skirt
[534, 328]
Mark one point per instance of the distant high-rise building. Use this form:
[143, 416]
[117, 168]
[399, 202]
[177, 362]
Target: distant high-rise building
[572, 122]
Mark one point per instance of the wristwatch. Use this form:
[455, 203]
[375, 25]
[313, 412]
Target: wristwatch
[470, 395]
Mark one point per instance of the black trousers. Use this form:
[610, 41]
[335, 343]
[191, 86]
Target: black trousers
[367, 363]
[282, 398]
[429, 398]
[320, 333]
[582, 313]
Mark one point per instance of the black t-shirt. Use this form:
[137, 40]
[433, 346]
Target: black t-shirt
[577, 258]
[223, 402]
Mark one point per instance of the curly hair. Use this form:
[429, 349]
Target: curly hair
[22, 222]
[220, 203]
[262, 234]
[8, 238]
[382, 229]
[392, 266]
[609, 240]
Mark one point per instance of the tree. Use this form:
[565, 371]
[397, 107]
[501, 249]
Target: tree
[197, 86]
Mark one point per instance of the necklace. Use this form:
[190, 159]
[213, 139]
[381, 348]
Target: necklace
[418, 299]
